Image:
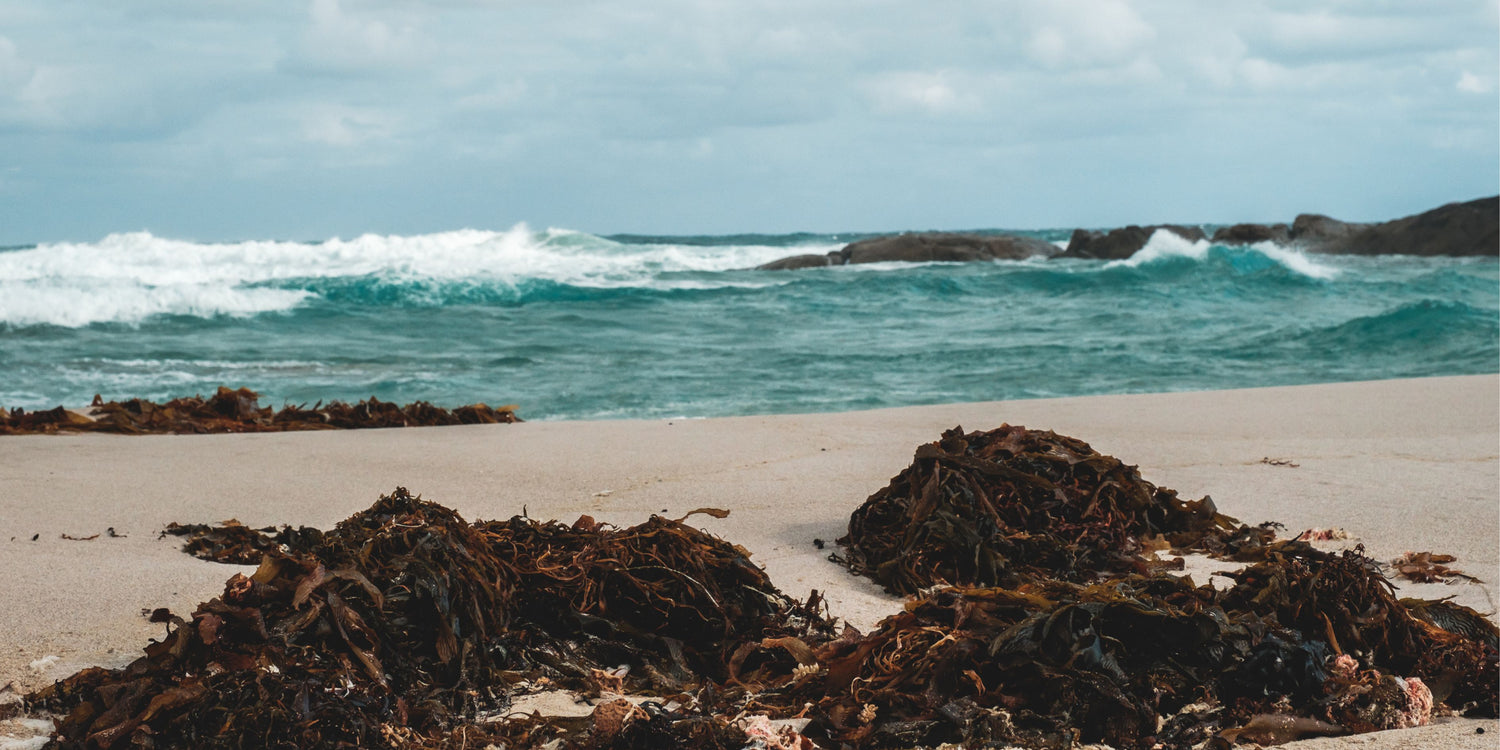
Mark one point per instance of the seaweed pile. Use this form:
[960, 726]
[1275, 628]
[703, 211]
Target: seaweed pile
[405, 624]
[240, 411]
[1012, 504]
[1043, 617]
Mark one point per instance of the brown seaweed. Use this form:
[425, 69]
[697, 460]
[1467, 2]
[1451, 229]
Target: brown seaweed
[239, 410]
[1428, 567]
[405, 622]
[234, 543]
[1001, 507]
[406, 626]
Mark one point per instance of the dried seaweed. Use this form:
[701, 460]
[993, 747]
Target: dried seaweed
[1071, 629]
[1001, 507]
[235, 543]
[405, 623]
[240, 411]
[1428, 567]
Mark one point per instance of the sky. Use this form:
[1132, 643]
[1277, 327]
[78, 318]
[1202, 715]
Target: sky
[222, 119]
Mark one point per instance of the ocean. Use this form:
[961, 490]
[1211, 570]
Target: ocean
[569, 325]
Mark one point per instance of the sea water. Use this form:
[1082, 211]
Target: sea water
[569, 325]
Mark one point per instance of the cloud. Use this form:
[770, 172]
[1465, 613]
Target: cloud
[14, 71]
[1080, 33]
[921, 92]
[346, 127]
[1472, 84]
[355, 42]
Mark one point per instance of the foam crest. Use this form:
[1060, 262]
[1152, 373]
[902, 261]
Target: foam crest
[128, 277]
[1162, 245]
[1295, 261]
[73, 304]
[1165, 245]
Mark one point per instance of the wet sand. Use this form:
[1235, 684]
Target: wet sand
[1401, 465]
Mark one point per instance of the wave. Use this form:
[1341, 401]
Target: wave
[1426, 322]
[1166, 247]
[126, 278]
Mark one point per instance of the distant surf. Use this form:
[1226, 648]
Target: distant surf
[573, 325]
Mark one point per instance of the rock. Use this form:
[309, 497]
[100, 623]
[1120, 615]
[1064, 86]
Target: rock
[802, 261]
[941, 246]
[1309, 229]
[1119, 244]
[1456, 229]
[1245, 234]
[925, 247]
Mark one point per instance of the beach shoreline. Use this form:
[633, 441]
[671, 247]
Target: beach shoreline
[1399, 464]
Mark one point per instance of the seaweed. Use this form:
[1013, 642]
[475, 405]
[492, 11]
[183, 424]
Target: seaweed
[239, 410]
[998, 508]
[234, 543]
[1041, 616]
[405, 623]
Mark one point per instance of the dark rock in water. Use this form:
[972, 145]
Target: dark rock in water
[1310, 229]
[925, 247]
[1457, 229]
[928, 247]
[1245, 234]
[1119, 244]
[802, 261]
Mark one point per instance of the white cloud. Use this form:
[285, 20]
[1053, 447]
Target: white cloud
[345, 127]
[926, 93]
[350, 41]
[1080, 33]
[1472, 84]
[14, 71]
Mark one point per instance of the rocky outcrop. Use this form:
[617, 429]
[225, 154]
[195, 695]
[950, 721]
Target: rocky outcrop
[1471, 228]
[926, 247]
[1119, 244]
[1314, 229]
[1457, 229]
[795, 262]
[1246, 234]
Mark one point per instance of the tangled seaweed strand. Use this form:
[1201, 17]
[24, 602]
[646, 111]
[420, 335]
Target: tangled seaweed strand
[240, 411]
[1000, 507]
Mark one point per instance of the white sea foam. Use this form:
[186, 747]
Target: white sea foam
[129, 277]
[1295, 260]
[1165, 244]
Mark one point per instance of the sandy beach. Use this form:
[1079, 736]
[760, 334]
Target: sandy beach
[1400, 465]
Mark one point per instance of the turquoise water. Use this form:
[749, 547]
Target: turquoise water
[573, 326]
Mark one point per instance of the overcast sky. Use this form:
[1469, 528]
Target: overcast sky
[226, 119]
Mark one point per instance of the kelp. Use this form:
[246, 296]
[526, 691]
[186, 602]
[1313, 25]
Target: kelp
[406, 626]
[1001, 507]
[1428, 567]
[230, 410]
[232, 542]
[405, 622]
[1054, 549]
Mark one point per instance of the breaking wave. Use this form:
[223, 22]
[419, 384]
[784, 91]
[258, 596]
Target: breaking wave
[126, 278]
[1166, 247]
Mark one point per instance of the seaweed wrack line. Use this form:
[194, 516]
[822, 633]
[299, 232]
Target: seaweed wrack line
[239, 410]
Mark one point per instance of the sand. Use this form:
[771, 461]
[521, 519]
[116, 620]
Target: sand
[1401, 465]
